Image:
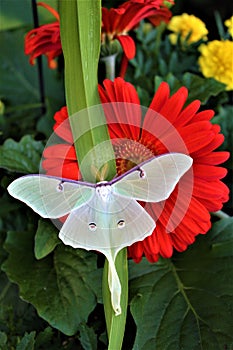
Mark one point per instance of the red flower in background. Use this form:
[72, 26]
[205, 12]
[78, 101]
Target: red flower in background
[60, 160]
[44, 40]
[116, 23]
[200, 137]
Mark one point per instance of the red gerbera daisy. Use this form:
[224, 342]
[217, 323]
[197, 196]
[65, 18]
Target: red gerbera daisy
[116, 23]
[45, 40]
[60, 160]
[153, 137]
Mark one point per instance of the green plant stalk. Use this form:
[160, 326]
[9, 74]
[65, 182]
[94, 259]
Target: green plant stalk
[110, 64]
[80, 23]
[116, 324]
[80, 36]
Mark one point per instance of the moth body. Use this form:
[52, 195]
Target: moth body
[103, 190]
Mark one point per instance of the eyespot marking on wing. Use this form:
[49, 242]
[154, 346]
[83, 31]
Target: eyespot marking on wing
[121, 224]
[142, 174]
[60, 187]
[92, 226]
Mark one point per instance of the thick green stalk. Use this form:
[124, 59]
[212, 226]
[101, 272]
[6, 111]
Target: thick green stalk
[80, 35]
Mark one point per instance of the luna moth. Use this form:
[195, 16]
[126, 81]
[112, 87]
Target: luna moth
[104, 216]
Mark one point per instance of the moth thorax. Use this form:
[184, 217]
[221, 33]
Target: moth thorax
[104, 192]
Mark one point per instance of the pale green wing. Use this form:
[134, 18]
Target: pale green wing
[108, 227]
[100, 225]
[48, 196]
[154, 180]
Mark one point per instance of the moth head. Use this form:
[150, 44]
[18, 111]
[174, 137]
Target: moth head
[103, 190]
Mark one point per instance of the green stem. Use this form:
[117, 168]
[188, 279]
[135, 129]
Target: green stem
[110, 66]
[80, 37]
[219, 25]
[159, 32]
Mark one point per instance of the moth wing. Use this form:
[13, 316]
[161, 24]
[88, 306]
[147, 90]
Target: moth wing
[161, 174]
[117, 224]
[48, 196]
[107, 226]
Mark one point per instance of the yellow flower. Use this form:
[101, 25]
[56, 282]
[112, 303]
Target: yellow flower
[216, 61]
[229, 24]
[186, 24]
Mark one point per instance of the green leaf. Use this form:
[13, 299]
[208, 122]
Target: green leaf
[19, 83]
[3, 340]
[6, 206]
[186, 302]
[46, 239]
[27, 342]
[23, 156]
[16, 316]
[59, 286]
[225, 120]
[44, 337]
[143, 96]
[15, 14]
[222, 237]
[199, 88]
[80, 36]
[19, 88]
[87, 338]
[202, 88]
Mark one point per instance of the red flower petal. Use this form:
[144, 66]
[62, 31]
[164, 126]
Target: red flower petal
[44, 40]
[62, 126]
[50, 9]
[128, 45]
[160, 98]
[202, 135]
[162, 15]
[204, 115]
[137, 250]
[62, 151]
[188, 114]
[117, 113]
[208, 147]
[204, 189]
[174, 105]
[135, 11]
[213, 158]
[61, 168]
[208, 172]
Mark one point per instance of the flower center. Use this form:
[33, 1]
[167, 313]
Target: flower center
[129, 153]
